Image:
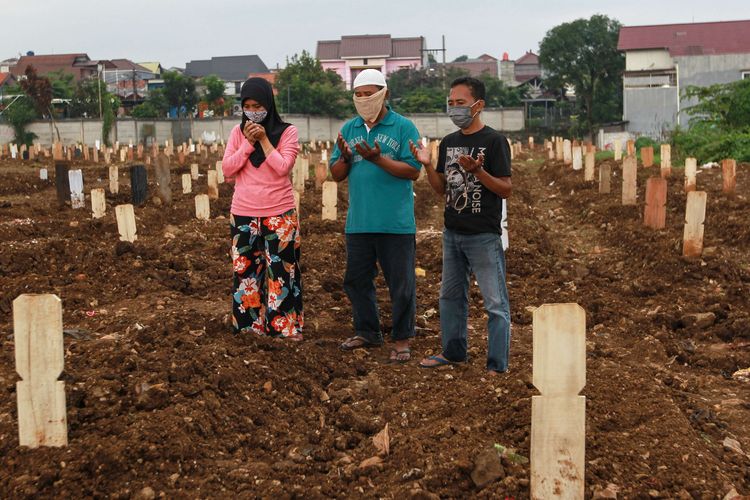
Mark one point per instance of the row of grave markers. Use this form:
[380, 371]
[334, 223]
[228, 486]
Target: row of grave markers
[656, 187]
[558, 414]
[125, 153]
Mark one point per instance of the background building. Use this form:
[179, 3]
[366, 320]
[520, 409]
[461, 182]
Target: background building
[661, 60]
[352, 54]
[234, 70]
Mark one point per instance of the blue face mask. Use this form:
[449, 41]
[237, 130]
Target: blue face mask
[461, 115]
[256, 116]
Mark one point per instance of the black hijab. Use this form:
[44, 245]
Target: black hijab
[260, 91]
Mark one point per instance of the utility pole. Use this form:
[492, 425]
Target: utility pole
[435, 52]
[99, 68]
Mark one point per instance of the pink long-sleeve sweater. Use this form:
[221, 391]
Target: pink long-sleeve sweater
[265, 191]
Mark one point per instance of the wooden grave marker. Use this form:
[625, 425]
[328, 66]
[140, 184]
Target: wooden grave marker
[590, 166]
[729, 175]
[202, 206]
[213, 185]
[75, 180]
[647, 156]
[96, 155]
[194, 173]
[691, 170]
[655, 213]
[98, 203]
[296, 201]
[605, 178]
[666, 160]
[43, 174]
[298, 175]
[321, 174]
[577, 158]
[187, 184]
[695, 216]
[39, 355]
[62, 182]
[618, 150]
[114, 179]
[126, 222]
[558, 149]
[630, 147]
[138, 184]
[164, 179]
[567, 152]
[629, 180]
[558, 416]
[219, 171]
[329, 200]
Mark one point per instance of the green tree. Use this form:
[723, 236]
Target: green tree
[179, 90]
[63, 84]
[303, 86]
[19, 114]
[583, 53]
[422, 90]
[39, 90]
[461, 58]
[499, 95]
[726, 106]
[155, 106]
[214, 87]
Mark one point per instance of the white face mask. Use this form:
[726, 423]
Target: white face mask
[369, 107]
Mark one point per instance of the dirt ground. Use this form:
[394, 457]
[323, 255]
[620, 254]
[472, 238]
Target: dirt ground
[164, 401]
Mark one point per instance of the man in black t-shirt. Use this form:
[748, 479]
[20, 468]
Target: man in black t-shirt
[473, 173]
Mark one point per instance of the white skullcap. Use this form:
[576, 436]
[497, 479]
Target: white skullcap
[369, 77]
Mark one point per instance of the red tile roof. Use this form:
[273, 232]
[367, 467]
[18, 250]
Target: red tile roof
[71, 63]
[528, 58]
[5, 78]
[724, 37]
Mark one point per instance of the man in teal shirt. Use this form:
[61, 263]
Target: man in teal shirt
[372, 151]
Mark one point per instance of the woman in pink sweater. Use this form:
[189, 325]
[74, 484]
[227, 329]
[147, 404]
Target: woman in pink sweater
[267, 294]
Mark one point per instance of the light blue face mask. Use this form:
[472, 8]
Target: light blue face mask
[461, 115]
[256, 116]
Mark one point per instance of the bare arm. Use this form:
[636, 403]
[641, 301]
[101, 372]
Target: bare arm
[435, 178]
[340, 169]
[501, 186]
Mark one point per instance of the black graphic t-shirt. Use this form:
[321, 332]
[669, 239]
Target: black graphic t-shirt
[471, 208]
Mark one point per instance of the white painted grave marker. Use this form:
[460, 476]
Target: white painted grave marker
[126, 222]
[77, 198]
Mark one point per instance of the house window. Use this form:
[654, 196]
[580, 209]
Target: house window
[746, 75]
[364, 61]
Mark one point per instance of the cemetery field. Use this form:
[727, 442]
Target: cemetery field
[162, 399]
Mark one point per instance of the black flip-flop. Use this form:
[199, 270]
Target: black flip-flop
[363, 343]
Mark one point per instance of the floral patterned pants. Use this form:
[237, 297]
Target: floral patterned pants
[267, 293]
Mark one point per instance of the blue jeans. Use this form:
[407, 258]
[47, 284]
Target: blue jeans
[483, 255]
[396, 255]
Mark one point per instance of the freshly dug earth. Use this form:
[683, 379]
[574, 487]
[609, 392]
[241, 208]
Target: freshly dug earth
[164, 400]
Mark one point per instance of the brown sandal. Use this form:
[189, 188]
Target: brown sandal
[357, 342]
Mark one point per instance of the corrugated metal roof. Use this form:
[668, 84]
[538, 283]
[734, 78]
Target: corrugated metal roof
[724, 37]
[365, 46]
[407, 47]
[228, 68]
[328, 49]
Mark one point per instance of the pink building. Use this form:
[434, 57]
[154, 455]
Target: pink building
[350, 55]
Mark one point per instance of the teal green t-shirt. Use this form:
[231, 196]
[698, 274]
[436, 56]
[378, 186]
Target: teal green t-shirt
[378, 201]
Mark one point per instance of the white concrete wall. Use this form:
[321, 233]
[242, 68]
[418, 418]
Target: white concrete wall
[645, 60]
[311, 128]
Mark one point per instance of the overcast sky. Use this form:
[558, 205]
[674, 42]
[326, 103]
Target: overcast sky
[176, 31]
